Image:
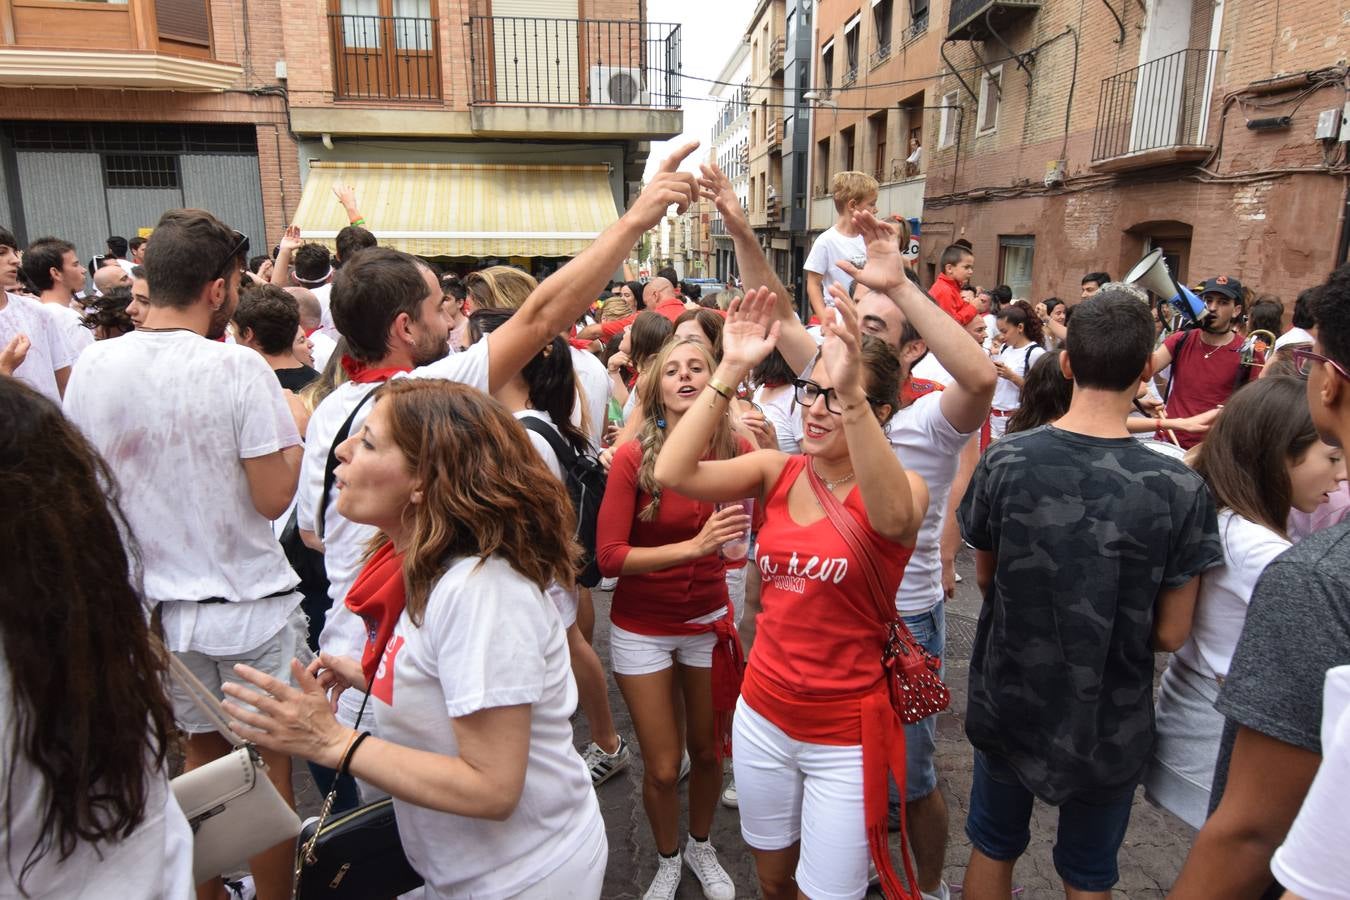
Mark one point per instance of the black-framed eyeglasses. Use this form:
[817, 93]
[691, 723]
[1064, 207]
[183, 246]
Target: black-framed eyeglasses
[806, 391]
[1306, 360]
[240, 249]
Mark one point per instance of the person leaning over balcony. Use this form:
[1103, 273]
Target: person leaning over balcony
[852, 191]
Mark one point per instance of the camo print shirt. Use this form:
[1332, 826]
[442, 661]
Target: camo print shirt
[1085, 532]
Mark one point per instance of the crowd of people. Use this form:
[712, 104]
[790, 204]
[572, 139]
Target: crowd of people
[364, 502]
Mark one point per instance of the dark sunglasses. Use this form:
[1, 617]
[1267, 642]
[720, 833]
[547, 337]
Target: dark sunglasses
[1306, 360]
[240, 249]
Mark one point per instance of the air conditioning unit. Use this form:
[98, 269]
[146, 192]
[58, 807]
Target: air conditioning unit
[617, 86]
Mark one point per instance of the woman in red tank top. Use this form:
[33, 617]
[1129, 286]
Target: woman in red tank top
[816, 662]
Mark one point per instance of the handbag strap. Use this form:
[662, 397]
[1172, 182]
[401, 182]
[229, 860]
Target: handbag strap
[851, 532]
[205, 700]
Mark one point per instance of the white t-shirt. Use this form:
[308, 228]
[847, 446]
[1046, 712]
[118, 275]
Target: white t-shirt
[1225, 592]
[990, 329]
[174, 414]
[929, 369]
[928, 445]
[71, 324]
[488, 639]
[345, 542]
[153, 863]
[1312, 862]
[565, 600]
[593, 386]
[324, 293]
[826, 252]
[49, 348]
[1008, 396]
[781, 410]
[323, 349]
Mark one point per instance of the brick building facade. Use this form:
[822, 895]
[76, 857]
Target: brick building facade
[1081, 136]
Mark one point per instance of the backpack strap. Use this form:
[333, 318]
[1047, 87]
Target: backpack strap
[567, 457]
[1176, 367]
[330, 467]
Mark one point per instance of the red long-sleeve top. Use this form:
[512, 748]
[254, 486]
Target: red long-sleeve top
[947, 293]
[652, 602]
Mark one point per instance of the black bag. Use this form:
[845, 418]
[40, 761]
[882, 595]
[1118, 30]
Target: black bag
[585, 479]
[358, 856]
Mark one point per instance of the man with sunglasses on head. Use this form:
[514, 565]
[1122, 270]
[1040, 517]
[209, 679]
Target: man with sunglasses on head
[1287, 688]
[205, 454]
[927, 433]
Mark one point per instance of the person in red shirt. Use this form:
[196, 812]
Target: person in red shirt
[958, 265]
[659, 295]
[671, 619]
[1206, 361]
[807, 753]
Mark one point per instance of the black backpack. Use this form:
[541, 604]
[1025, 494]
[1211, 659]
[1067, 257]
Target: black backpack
[585, 480]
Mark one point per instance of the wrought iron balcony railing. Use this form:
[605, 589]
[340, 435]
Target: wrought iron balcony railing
[1161, 105]
[385, 57]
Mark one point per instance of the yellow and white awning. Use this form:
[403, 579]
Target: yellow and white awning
[432, 209]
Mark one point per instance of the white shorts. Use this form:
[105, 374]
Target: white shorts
[643, 654]
[790, 790]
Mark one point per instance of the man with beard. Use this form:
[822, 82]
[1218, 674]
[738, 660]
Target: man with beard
[205, 453]
[1206, 362]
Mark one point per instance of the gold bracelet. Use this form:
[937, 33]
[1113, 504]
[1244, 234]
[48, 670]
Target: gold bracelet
[720, 388]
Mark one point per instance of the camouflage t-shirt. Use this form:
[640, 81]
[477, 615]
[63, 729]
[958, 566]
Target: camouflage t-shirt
[1085, 532]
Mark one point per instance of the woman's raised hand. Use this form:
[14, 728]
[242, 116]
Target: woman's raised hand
[842, 350]
[751, 332]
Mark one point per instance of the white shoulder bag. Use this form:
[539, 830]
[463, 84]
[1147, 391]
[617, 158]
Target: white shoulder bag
[233, 808]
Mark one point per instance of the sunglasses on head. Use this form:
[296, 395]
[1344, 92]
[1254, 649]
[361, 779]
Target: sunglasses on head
[240, 249]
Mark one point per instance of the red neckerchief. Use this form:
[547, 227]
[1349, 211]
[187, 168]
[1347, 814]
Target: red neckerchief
[912, 389]
[378, 597]
[364, 373]
[310, 331]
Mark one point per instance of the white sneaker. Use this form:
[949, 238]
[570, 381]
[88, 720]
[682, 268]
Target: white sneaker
[729, 797]
[942, 893]
[667, 879]
[608, 584]
[604, 766]
[701, 859]
[684, 766]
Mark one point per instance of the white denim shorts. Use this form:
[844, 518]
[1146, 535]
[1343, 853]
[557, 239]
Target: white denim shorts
[642, 654]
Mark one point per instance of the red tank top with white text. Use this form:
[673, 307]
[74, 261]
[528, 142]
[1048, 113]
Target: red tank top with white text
[819, 636]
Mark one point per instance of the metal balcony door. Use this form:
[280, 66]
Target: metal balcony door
[535, 51]
[386, 48]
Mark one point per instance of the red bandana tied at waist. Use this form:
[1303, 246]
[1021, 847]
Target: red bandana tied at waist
[378, 597]
[728, 666]
[364, 373]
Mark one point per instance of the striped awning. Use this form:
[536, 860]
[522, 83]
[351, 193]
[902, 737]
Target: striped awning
[432, 209]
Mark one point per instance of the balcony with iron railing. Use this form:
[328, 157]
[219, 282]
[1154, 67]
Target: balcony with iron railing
[1156, 113]
[850, 76]
[977, 20]
[917, 28]
[385, 57]
[879, 55]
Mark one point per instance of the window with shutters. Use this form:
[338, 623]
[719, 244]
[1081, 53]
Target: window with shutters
[188, 21]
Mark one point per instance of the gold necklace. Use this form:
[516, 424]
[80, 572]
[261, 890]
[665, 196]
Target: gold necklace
[828, 483]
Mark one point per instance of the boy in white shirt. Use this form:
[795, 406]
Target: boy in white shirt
[853, 191]
[205, 454]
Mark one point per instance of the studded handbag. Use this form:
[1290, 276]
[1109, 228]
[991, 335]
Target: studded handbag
[912, 673]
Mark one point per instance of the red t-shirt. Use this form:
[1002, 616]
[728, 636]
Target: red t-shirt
[820, 635]
[947, 293]
[646, 604]
[672, 309]
[1202, 378]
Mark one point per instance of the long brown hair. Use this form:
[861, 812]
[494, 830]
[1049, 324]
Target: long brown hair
[89, 709]
[1245, 458]
[485, 489]
[654, 427]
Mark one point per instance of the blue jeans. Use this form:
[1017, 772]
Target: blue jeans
[1086, 843]
[930, 630]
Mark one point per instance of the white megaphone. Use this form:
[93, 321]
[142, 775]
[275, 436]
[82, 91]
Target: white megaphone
[1151, 274]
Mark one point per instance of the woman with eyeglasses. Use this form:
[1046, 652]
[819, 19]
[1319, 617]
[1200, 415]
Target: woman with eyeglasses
[1261, 460]
[815, 670]
[671, 619]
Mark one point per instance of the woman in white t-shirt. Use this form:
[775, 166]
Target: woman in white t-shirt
[1022, 337]
[88, 722]
[544, 391]
[1261, 458]
[468, 667]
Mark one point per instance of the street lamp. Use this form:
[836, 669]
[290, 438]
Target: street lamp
[816, 98]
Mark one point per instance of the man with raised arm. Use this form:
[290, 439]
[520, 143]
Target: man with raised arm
[927, 433]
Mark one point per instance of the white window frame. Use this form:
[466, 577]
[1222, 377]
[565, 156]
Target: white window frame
[948, 122]
[985, 82]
